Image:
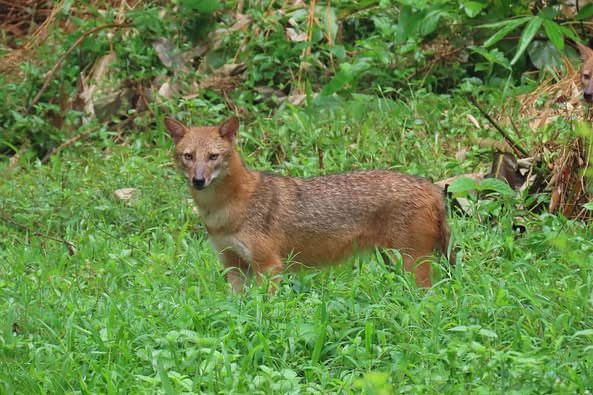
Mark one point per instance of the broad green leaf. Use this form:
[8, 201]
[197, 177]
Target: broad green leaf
[554, 33]
[544, 54]
[493, 56]
[473, 8]
[459, 328]
[583, 128]
[478, 347]
[496, 185]
[374, 383]
[300, 15]
[585, 12]
[584, 332]
[568, 33]
[549, 13]
[505, 22]
[488, 333]
[339, 81]
[588, 206]
[430, 22]
[508, 26]
[329, 22]
[202, 6]
[462, 184]
[66, 7]
[409, 22]
[339, 52]
[526, 37]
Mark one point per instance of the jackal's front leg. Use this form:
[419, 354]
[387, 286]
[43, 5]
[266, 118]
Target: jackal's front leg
[236, 268]
[269, 265]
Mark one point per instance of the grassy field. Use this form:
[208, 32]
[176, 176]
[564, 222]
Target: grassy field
[142, 305]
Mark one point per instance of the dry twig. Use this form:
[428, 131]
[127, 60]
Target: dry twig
[66, 143]
[70, 245]
[516, 147]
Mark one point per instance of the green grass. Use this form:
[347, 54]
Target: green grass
[142, 305]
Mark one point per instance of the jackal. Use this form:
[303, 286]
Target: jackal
[256, 220]
[586, 71]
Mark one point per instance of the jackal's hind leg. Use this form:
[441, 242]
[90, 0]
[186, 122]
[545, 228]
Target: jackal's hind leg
[419, 266]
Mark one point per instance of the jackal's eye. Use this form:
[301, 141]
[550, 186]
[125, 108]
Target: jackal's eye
[188, 156]
[212, 156]
[586, 76]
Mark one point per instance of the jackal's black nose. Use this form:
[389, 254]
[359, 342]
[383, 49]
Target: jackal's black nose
[588, 97]
[198, 183]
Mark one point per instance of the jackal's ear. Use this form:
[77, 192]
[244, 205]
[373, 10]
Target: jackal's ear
[586, 52]
[175, 128]
[228, 129]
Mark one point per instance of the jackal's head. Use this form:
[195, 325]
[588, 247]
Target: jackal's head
[587, 72]
[203, 153]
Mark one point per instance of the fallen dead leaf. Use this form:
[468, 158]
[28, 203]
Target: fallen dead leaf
[127, 194]
[241, 22]
[169, 54]
[293, 36]
[461, 155]
[474, 121]
[168, 90]
[296, 100]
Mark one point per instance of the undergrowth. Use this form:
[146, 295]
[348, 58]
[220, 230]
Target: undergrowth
[142, 304]
[101, 295]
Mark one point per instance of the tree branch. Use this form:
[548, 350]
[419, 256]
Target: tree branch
[71, 246]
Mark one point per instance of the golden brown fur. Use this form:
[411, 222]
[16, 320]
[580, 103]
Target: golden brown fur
[586, 72]
[256, 220]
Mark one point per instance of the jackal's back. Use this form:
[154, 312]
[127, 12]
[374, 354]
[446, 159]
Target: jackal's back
[340, 211]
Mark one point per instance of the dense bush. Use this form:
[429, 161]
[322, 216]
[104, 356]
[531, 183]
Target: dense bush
[340, 48]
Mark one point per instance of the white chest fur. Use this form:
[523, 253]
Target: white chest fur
[233, 243]
[222, 218]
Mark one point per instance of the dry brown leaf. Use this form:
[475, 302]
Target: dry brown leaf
[461, 155]
[474, 121]
[293, 36]
[127, 194]
[241, 22]
[555, 97]
[296, 100]
[169, 55]
[91, 84]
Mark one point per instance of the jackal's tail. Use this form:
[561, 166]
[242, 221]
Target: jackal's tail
[445, 244]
